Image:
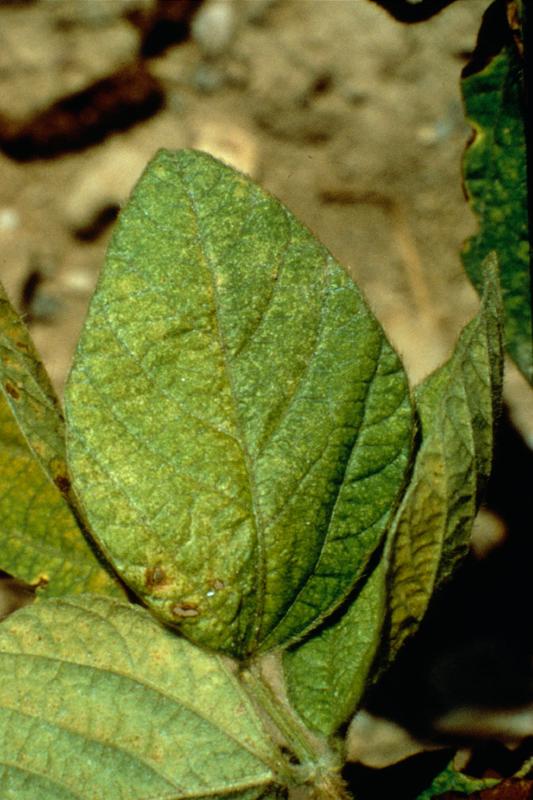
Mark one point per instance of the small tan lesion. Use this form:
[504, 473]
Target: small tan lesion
[155, 577]
[12, 390]
[184, 610]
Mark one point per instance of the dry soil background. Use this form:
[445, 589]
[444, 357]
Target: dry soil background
[351, 118]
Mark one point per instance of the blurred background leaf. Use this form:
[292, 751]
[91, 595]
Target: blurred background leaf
[495, 172]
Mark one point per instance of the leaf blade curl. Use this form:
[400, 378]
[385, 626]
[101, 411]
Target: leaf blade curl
[458, 406]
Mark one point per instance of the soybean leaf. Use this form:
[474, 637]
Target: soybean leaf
[28, 392]
[451, 780]
[327, 673]
[40, 541]
[238, 425]
[495, 176]
[98, 700]
[457, 406]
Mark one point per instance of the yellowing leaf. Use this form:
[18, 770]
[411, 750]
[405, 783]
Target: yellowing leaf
[28, 392]
[458, 406]
[239, 427]
[40, 541]
[99, 701]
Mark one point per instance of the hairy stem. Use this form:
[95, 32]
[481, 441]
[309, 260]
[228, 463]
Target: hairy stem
[318, 764]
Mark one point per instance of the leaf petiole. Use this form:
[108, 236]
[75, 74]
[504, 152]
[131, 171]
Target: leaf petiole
[318, 763]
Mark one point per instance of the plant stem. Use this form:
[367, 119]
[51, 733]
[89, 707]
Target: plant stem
[319, 764]
[291, 730]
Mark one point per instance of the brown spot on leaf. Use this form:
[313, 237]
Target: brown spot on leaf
[155, 576]
[12, 390]
[62, 483]
[184, 610]
[22, 346]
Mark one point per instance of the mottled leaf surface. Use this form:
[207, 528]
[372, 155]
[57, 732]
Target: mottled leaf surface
[495, 177]
[40, 540]
[326, 674]
[26, 388]
[457, 406]
[97, 700]
[239, 427]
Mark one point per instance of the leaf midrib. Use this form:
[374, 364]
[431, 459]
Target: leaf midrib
[334, 505]
[260, 562]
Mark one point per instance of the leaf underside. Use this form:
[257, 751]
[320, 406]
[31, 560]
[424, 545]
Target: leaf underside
[40, 541]
[239, 427]
[458, 406]
[495, 177]
[98, 700]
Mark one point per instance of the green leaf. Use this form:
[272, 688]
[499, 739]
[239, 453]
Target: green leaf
[457, 405]
[326, 674]
[99, 701]
[40, 540]
[495, 176]
[238, 426]
[450, 780]
[27, 390]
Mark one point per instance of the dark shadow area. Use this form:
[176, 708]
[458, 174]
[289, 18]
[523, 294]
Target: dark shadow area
[403, 781]
[406, 11]
[103, 220]
[14, 594]
[167, 25]
[85, 118]
[493, 34]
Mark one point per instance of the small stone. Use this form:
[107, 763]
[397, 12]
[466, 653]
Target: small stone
[213, 27]
[207, 78]
[488, 533]
[9, 219]
[80, 281]
[44, 307]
